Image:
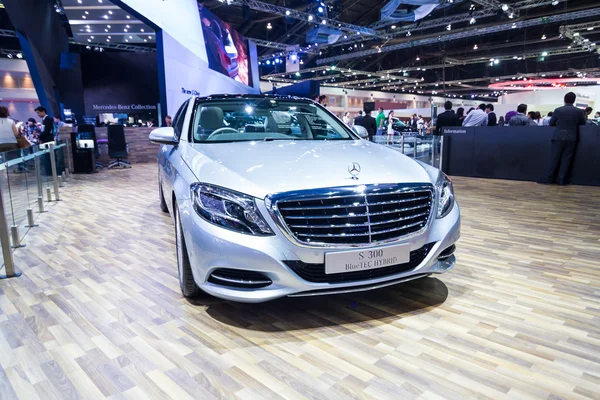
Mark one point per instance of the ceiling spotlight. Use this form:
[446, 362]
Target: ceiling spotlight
[324, 22]
[87, 13]
[141, 30]
[108, 26]
[543, 37]
[269, 26]
[105, 16]
[80, 1]
[9, 55]
[110, 12]
[408, 33]
[511, 15]
[393, 26]
[124, 30]
[88, 47]
[128, 17]
[590, 28]
[89, 40]
[106, 30]
[555, 2]
[19, 55]
[475, 47]
[472, 21]
[287, 12]
[544, 54]
[504, 7]
[83, 16]
[320, 9]
[310, 17]
[449, 27]
[514, 25]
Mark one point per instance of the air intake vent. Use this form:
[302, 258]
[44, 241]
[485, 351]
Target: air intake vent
[239, 278]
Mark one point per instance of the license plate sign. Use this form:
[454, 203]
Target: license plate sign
[365, 259]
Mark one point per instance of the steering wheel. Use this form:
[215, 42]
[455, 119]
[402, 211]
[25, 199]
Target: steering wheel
[221, 130]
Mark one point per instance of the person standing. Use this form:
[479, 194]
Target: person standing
[346, 118]
[460, 114]
[546, 121]
[521, 119]
[358, 119]
[47, 134]
[379, 121]
[501, 121]
[8, 131]
[566, 120]
[168, 121]
[447, 118]
[492, 119]
[390, 128]
[370, 124]
[477, 117]
[588, 113]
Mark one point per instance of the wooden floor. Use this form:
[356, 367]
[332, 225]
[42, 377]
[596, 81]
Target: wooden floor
[98, 314]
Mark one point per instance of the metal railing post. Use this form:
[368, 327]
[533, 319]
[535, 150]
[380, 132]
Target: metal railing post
[402, 142]
[415, 149]
[54, 175]
[9, 263]
[441, 152]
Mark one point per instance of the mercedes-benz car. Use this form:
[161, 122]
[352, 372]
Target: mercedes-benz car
[275, 196]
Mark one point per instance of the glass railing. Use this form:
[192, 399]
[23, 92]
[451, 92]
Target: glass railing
[30, 179]
[425, 148]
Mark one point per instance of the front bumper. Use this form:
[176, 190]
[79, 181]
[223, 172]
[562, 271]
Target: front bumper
[211, 247]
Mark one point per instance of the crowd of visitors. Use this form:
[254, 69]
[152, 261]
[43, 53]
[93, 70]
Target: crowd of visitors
[16, 134]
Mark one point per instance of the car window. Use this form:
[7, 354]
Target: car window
[265, 119]
[180, 119]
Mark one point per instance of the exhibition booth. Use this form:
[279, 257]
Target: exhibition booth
[516, 152]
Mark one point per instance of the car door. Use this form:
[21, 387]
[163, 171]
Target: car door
[169, 154]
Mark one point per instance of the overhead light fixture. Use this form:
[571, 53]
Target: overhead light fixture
[408, 34]
[475, 47]
[504, 7]
[269, 26]
[105, 16]
[544, 54]
[393, 26]
[19, 55]
[110, 12]
[83, 16]
[543, 37]
[87, 13]
[511, 15]
[125, 30]
[449, 27]
[590, 28]
[310, 17]
[80, 1]
[141, 30]
[324, 22]
[128, 17]
[287, 12]
[472, 21]
[108, 26]
[418, 58]
[555, 2]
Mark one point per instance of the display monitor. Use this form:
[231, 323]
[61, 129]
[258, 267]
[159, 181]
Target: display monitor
[227, 50]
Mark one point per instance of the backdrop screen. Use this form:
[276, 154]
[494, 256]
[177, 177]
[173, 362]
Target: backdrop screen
[227, 50]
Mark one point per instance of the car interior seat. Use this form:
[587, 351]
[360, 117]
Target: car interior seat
[211, 119]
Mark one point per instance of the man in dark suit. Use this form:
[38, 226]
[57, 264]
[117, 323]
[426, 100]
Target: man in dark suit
[567, 120]
[358, 119]
[370, 124]
[447, 118]
[492, 119]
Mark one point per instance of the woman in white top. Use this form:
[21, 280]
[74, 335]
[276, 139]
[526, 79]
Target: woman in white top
[8, 131]
[390, 127]
[346, 118]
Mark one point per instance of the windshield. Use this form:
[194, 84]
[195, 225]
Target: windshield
[219, 121]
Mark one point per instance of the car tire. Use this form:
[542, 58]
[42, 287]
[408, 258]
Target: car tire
[161, 195]
[188, 286]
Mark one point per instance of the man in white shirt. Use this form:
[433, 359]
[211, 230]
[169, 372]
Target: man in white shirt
[477, 117]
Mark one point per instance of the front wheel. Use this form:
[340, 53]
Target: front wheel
[186, 276]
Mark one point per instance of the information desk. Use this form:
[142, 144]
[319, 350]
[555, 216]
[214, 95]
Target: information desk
[141, 150]
[518, 153]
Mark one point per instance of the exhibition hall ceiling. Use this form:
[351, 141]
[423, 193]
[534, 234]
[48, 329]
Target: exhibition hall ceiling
[102, 22]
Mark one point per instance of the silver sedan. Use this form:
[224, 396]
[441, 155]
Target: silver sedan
[274, 196]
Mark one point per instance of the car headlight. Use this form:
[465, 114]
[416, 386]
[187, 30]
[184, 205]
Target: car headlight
[229, 209]
[445, 195]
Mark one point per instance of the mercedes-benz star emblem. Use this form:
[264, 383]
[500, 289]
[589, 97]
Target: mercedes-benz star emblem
[354, 169]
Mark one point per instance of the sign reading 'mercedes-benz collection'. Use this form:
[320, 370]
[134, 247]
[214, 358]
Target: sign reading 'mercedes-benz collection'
[123, 107]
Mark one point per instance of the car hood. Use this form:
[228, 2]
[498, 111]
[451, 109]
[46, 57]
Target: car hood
[262, 168]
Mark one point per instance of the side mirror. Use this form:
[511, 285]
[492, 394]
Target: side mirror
[163, 136]
[361, 131]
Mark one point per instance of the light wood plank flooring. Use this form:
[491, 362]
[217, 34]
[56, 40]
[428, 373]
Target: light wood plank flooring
[98, 314]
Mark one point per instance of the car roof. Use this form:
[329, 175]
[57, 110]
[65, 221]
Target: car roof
[252, 97]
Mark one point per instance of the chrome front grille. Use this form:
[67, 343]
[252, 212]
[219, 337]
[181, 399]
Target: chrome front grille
[358, 215]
